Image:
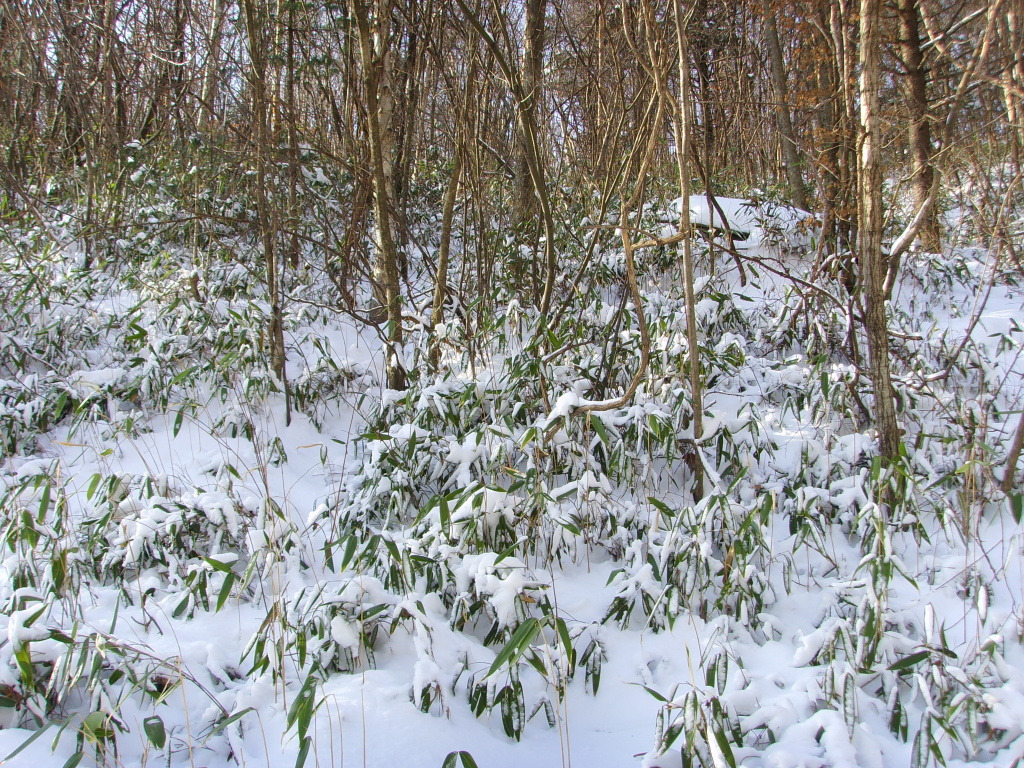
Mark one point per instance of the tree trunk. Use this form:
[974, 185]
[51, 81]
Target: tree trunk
[373, 21]
[443, 253]
[256, 26]
[72, 99]
[787, 136]
[1012, 80]
[684, 124]
[292, 126]
[873, 262]
[532, 67]
[406, 124]
[211, 72]
[920, 137]
[448, 215]
[532, 152]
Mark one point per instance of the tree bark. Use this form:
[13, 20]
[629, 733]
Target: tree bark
[787, 136]
[373, 22]
[448, 216]
[684, 123]
[406, 122]
[532, 68]
[919, 130]
[532, 153]
[211, 71]
[256, 28]
[873, 262]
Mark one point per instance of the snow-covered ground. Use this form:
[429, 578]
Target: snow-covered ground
[475, 566]
[754, 224]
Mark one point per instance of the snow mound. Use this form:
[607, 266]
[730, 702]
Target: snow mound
[753, 223]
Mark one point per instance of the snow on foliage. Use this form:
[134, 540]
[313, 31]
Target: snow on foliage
[478, 564]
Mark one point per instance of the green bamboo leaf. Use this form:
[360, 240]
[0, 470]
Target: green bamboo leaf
[229, 720]
[300, 759]
[28, 742]
[563, 636]
[218, 565]
[94, 481]
[44, 502]
[182, 606]
[225, 590]
[178, 419]
[597, 424]
[570, 526]
[509, 552]
[653, 693]
[908, 661]
[182, 375]
[24, 658]
[919, 752]
[723, 744]
[516, 645]
[94, 727]
[445, 513]
[463, 756]
[155, 731]
[1017, 506]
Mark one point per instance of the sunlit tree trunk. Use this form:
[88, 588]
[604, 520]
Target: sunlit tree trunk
[257, 28]
[683, 132]
[373, 22]
[787, 136]
[532, 68]
[531, 143]
[871, 217]
[919, 126]
[407, 123]
[211, 70]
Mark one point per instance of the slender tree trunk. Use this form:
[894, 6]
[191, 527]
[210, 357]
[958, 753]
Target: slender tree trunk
[294, 159]
[443, 254]
[373, 22]
[1012, 80]
[112, 138]
[177, 84]
[211, 72]
[1013, 99]
[787, 136]
[72, 104]
[448, 215]
[532, 68]
[684, 124]
[873, 262]
[532, 153]
[257, 26]
[406, 124]
[920, 137]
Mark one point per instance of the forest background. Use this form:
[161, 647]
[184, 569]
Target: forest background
[441, 355]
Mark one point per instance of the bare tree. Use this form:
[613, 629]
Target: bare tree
[257, 28]
[374, 23]
[787, 135]
[915, 71]
[683, 119]
[532, 76]
[870, 221]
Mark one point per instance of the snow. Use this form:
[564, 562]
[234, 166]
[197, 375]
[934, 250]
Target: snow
[751, 222]
[463, 510]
